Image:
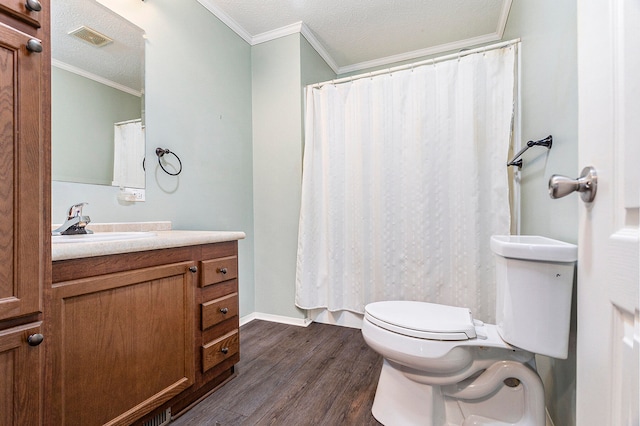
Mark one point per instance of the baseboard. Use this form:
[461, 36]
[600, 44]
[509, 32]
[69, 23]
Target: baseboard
[300, 322]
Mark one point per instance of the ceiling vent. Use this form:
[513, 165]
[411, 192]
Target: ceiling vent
[90, 36]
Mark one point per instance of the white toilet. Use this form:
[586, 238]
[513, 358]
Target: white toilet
[443, 368]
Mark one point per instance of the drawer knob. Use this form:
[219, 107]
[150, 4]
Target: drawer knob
[34, 46]
[224, 310]
[33, 5]
[224, 350]
[193, 269]
[35, 339]
[222, 270]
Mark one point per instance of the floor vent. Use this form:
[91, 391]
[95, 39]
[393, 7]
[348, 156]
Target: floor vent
[159, 419]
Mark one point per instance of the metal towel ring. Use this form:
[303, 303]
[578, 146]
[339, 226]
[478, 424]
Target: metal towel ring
[160, 152]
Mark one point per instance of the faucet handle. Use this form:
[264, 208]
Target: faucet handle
[75, 210]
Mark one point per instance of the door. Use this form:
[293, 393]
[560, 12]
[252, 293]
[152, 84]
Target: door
[122, 344]
[608, 272]
[22, 267]
[21, 375]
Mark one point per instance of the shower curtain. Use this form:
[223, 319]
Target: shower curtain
[404, 182]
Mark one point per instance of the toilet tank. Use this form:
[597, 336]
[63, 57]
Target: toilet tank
[534, 282]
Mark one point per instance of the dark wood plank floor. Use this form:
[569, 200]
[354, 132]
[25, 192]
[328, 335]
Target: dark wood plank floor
[288, 375]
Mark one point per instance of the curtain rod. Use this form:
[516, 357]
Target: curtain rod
[417, 64]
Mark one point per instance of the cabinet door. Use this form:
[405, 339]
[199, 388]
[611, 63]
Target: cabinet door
[123, 344]
[22, 248]
[20, 376]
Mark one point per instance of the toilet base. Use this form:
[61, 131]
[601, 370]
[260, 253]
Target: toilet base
[401, 401]
[482, 400]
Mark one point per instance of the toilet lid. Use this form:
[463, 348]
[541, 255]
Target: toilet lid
[423, 320]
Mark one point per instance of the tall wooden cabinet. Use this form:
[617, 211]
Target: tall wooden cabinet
[24, 205]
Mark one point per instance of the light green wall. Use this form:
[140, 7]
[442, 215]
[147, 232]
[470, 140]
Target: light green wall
[549, 106]
[198, 104]
[548, 30]
[280, 68]
[83, 113]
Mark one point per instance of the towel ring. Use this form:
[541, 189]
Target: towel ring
[160, 152]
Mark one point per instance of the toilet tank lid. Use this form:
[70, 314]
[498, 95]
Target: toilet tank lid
[422, 319]
[533, 247]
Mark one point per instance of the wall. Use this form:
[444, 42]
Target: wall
[280, 69]
[83, 112]
[198, 104]
[548, 30]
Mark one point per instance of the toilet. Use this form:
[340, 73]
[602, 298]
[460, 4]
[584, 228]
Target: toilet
[442, 367]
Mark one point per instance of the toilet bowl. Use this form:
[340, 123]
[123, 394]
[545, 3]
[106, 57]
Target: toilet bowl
[442, 367]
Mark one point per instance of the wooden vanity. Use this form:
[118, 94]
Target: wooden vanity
[133, 334]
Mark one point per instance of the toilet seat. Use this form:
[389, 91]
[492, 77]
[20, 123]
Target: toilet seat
[422, 320]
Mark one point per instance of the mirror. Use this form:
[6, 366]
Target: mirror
[97, 95]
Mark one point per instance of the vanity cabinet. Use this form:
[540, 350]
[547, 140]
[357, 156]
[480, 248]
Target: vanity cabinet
[216, 323]
[136, 333]
[25, 256]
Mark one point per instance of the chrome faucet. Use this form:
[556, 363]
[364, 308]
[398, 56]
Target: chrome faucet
[75, 223]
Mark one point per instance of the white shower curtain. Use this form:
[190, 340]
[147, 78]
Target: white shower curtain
[404, 182]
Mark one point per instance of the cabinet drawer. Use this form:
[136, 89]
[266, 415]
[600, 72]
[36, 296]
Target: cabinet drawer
[217, 270]
[18, 9]
[213, 353]
[219, 310]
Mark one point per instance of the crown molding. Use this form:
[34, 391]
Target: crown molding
[226, 19]
[79, 71]
[408, 56]
[295, 28]
[302, 28]
[504, 15]
[319, 47]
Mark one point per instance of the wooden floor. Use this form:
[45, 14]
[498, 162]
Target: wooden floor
[288, 375]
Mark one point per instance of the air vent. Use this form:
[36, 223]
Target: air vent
[90, 36]
[160, 419]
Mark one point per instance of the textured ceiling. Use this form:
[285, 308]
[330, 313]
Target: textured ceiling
[350, 35]
[357, 34]
[120, 62]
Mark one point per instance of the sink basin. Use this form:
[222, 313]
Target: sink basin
[101, 236]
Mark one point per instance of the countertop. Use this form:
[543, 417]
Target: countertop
[162, 237]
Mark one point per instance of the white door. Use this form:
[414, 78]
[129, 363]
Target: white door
[608, 265]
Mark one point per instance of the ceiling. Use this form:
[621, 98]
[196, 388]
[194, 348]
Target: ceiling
[352, 35]
[119, 64]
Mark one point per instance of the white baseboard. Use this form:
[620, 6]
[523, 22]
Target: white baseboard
[300, 322]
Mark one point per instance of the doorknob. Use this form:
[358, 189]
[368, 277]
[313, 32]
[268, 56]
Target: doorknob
[586, 185]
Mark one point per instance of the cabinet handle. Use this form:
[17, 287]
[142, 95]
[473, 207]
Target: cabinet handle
[193, 269]
[33, 5]
[34, 46]
[222, 270]
[224, 310]
[35, 339]
[224, 350]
